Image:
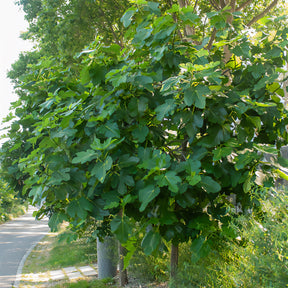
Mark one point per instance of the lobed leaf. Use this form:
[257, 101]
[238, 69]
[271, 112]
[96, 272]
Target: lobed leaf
[147, 194]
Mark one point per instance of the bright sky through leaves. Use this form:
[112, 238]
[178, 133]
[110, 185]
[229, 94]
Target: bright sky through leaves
[12, 23]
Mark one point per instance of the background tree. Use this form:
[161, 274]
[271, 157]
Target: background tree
[159, 132]
[65, 27]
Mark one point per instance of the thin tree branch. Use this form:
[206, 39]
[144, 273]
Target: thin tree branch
[232, 10]
[117, 40]
[182, 3]
[243, 5]
[212, 38]
[196, 2]
[233, 5]
[262, 14]
[229, 20]
[226, 50]
[214, 4]
[223, 4]
[285, 86]
[175, 20]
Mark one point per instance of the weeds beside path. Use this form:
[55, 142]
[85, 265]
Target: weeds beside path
[16, 210]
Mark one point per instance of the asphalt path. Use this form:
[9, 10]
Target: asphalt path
[16, 239]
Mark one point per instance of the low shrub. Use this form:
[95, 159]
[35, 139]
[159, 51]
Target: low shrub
[257, 258]
[10, 205]
[149, 268]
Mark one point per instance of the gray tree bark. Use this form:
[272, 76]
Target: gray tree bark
[107, 258]
[123, 276]
[174, 260]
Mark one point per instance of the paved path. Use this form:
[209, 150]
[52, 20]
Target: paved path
[69, 273]
[16, 238]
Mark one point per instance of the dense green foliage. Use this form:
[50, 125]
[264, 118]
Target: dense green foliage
[257, 258]
[160, 132]
[65, 27]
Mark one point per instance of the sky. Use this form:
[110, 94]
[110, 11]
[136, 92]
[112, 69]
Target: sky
[12, 23]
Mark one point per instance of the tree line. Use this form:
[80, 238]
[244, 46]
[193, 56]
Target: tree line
[148, 117]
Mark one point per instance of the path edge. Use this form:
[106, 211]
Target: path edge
[22, 262]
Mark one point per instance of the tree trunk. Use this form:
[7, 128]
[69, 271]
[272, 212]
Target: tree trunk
[188, 29]
[285, 87]
[107, 258]
[174, 260]
[123, 276]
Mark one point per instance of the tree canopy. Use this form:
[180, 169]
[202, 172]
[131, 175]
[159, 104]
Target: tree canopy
[158, 127]
[66, 27]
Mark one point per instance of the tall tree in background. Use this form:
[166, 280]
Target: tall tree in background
[159, 128]
[65, 27]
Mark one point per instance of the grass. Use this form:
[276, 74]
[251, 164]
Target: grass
[83, 284]
[50, 254]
